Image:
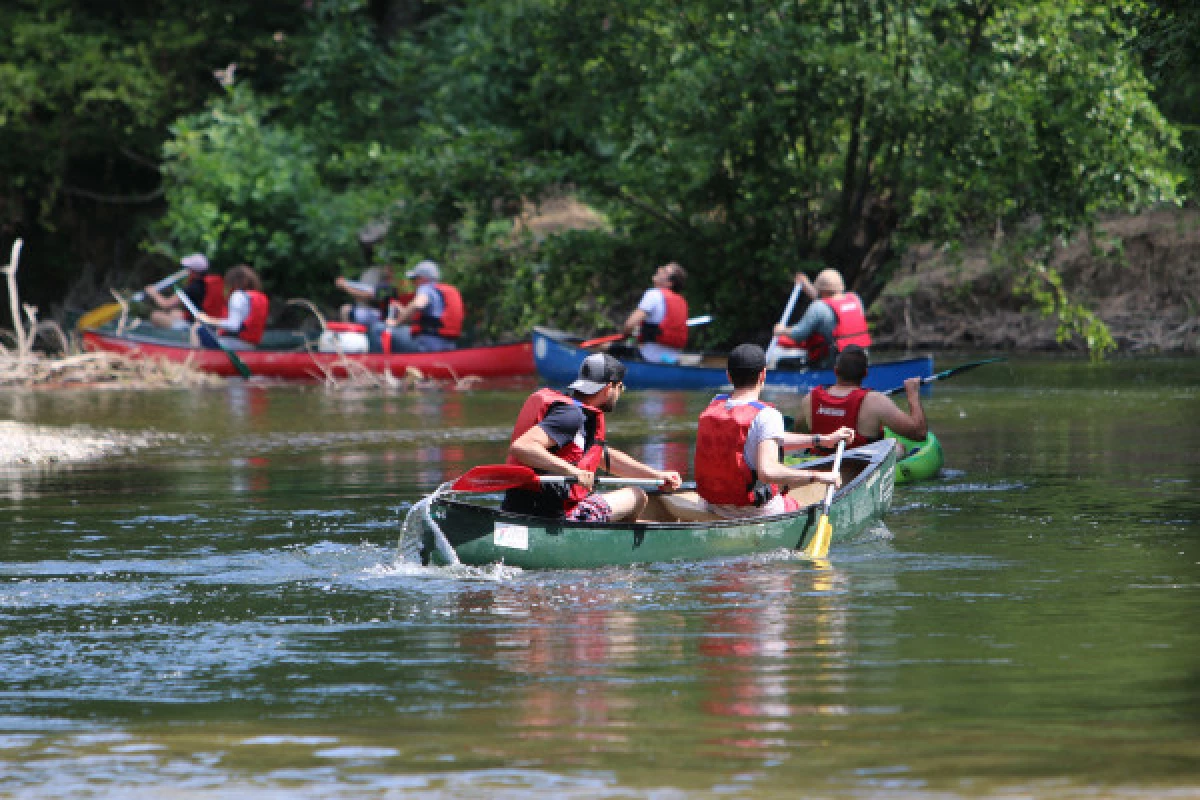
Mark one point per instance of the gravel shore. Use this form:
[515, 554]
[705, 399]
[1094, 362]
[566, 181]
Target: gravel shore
[32, 445]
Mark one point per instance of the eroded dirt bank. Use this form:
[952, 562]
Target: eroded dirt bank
[1140, 274]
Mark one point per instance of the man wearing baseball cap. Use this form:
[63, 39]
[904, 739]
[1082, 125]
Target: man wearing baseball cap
[739, 445]
[564, 434]
[206, 292]
[430, 322]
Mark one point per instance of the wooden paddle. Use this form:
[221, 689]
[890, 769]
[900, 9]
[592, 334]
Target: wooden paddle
[773, 347]
[819, 546]
[103, 314]
[210, 339]
[498, 477]
[946, 373]
[616, 337]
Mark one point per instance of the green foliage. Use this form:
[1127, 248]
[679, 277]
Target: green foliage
[245, 191]
[744, 141]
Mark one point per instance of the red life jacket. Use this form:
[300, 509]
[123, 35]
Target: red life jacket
[816, 347]
[214, 297]
[449, 324]
[534, 411]
[830, 412]
[672, 331]
[256, 321]
[722, 473]
[851, 325]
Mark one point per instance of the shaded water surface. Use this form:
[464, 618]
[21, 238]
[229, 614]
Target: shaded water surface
[225, 615]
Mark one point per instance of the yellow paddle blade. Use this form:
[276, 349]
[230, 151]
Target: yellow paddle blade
[99, 316]
[819, 546]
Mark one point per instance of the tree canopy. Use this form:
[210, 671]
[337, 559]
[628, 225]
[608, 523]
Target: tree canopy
[744, 141]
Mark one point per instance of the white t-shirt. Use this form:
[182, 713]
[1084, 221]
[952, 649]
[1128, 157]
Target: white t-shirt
[239, 309]
[654, 305]
[768, 424]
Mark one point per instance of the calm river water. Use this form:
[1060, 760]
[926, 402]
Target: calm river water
[225, 615]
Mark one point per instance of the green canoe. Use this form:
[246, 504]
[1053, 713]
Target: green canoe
[481, 534]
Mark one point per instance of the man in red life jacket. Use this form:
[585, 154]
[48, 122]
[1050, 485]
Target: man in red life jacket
[739, 444]
[205, 290]
[847, 403]
[834, 320]
[430, 322]
[564, 434]
[245, 320]
[660, 320]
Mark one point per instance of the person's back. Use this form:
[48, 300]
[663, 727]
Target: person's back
[868, 412]
[248, 307]
[739, 445]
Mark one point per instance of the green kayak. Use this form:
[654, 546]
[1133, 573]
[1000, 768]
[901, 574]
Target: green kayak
[921, 460]
[676, 527]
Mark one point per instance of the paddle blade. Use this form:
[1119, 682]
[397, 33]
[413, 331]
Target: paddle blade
[819, 546]
[496, 478]
[98, 317]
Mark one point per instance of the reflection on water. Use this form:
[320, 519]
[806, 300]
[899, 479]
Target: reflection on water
[225, 615]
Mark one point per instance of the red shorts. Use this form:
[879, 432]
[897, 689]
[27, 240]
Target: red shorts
[593, 508]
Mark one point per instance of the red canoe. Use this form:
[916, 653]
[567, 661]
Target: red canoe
[286, 357]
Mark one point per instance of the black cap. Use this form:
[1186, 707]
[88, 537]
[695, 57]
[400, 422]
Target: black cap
[597, 371]
[747, 357]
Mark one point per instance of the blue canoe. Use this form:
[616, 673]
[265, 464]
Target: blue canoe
[557, 356]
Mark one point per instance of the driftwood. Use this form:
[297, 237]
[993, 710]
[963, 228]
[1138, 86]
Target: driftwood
[21, 365]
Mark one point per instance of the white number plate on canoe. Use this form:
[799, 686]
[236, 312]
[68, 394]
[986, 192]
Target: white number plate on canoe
[514, 536]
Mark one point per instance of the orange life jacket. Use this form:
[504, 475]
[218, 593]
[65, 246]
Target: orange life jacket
[830, 412]
[534, 411]
[851, 325]
[449, 324]
[722, 473]
[672, 331]
[256, 321]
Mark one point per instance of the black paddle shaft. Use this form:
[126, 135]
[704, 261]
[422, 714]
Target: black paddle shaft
[947, 373]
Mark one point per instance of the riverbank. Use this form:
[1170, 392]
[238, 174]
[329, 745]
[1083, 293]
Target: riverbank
[1139, 274]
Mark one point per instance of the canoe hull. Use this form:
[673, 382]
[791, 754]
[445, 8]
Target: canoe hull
[482, 535]
[557, 361]
[499, 361]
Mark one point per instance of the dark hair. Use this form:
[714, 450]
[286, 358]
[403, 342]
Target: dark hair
[677, 276]
[742, 378]
[243, 277]
[746, 363]
[851, 364]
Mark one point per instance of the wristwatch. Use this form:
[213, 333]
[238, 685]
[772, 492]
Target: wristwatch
[816, 440]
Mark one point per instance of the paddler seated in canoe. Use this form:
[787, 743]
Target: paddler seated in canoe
[660, 320]
[847, 403]
[242, 326]
[833, 321]
[564, 434]
[373, 295]
[205, 289]
[739, 446]
[430, 322]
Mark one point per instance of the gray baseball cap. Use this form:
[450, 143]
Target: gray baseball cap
[597, 371]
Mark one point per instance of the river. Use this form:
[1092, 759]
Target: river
[224, 614]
